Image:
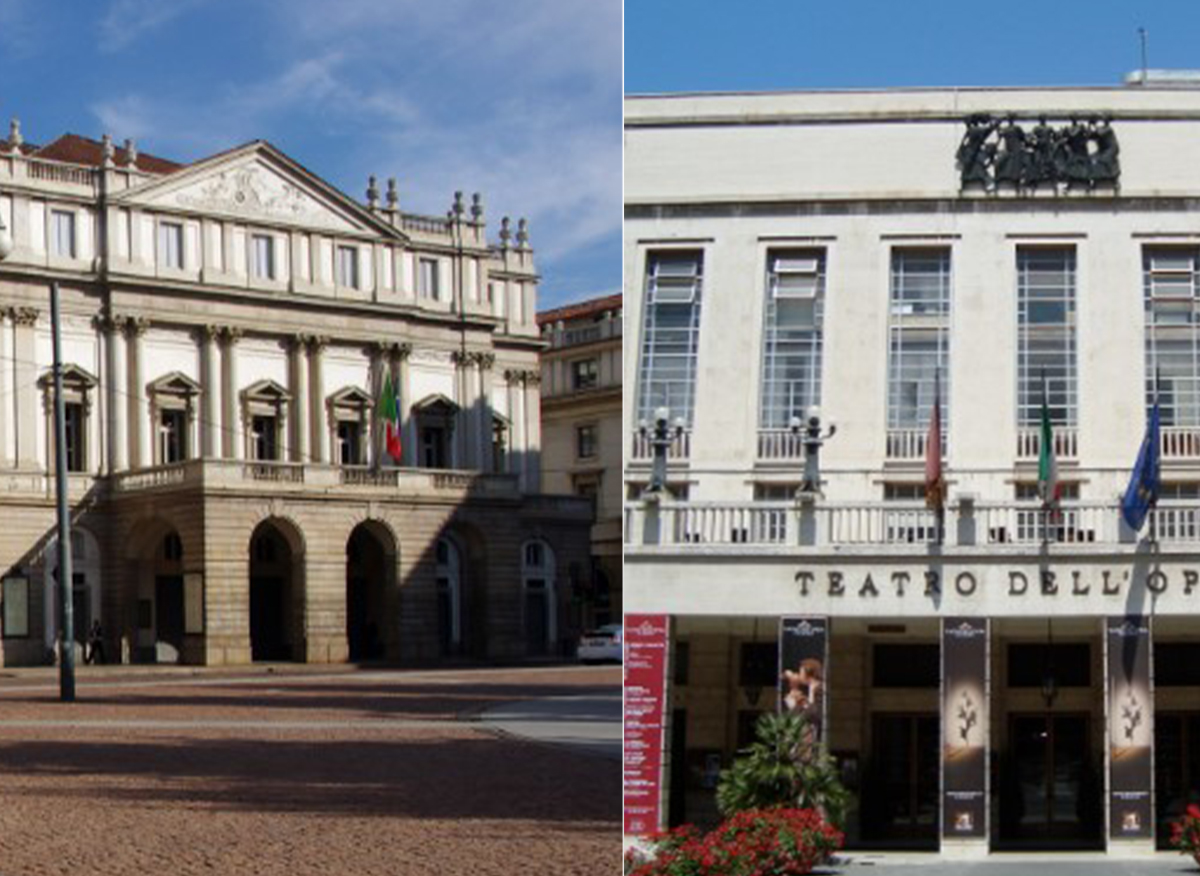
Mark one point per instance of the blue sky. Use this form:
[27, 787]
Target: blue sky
[520, 100]
[769, 44]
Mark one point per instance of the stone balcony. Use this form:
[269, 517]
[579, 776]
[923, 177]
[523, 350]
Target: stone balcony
[308, 479]
[896, 527]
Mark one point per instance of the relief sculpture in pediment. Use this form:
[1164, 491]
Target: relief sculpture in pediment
[253, 191]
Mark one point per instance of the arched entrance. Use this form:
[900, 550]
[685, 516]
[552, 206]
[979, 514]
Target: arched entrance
[370, 558]
[276, 592]
[85, 587]
[541, 614]
[449, 597]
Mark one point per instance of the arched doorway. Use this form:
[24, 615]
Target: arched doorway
[276, 592]
[370, 557]
[449, 597]
[541, 614]
[85, 587]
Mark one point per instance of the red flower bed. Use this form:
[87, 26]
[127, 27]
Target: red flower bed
[1185, 833]
[757, 842]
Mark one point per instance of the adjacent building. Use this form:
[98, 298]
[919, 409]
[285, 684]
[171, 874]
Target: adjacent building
[582, 434]
[238, 337]
[1007, 676]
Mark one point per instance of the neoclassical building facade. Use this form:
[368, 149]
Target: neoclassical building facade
[233, 331]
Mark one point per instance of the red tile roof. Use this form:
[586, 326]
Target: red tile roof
[84, 150]
[580, 309]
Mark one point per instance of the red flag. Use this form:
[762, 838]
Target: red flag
[935, 481]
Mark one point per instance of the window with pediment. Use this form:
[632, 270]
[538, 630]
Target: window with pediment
[78, 392]
[264, 411]
[435, 416]
[349, 422]
[173, 406]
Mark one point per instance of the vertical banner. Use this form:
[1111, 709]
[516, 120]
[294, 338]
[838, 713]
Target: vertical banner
[647, 637]
[803, 659]
[965, 722]
[1130, 708]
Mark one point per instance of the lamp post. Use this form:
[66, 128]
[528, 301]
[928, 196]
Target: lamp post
[66, 613]
[661, 439]
[813, 439]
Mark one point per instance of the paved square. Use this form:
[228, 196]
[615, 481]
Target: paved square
[300, 772]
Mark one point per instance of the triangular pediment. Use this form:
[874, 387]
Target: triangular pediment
[437, 405]
[72, 377]
[266, 391]
[175, 383]
[258, 183]
[351, 397]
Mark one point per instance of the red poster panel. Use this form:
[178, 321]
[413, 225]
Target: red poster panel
[647, 637]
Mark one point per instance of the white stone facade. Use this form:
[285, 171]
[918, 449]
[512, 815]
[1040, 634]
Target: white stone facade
[227, 328]
[848, 191]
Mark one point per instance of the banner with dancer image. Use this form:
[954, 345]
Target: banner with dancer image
[965, 727]
[1130, 708]
[803, 658]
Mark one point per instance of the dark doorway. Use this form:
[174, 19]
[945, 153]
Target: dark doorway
[1050, 793]
[271, 618]
[168, 610]
[366, 588]
[901, 808]
[536, 630]
[1176, 767]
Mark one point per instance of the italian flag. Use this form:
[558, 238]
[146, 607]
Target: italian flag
[390, 411]
[1048, 486]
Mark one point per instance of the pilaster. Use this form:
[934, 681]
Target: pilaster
[140, 451]
[232, 445]
[25, 365]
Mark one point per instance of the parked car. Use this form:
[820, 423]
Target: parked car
[603, 644]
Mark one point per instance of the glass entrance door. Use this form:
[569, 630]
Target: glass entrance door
[1176, 767]
[900, 799]
[1050, 792]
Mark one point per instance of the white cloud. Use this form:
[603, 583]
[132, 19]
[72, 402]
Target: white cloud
[129, 20]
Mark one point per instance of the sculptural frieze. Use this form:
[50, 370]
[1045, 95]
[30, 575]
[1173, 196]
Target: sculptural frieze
[997, 154]
[253, 191]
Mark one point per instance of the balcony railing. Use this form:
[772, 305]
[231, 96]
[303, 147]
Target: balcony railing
[681, 447]
[1179, 442]
[1029, 442]
[780, 444]
[779, 525]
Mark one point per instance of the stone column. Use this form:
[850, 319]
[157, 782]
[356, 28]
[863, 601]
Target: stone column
[533, 431]
[115, 385]
[25, 356]
[461, 457]
[210, 381]
[232, 443]
[485, 361]
[516, 415]
[404, 400]
[298, 369]
[318, 422]
[140, 434]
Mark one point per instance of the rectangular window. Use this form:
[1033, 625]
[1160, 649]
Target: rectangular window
[919, 338]
[427, 279]
[173, 435]
[1177, 664]
[76, 435]
[585, 373]
[792, 335]
[1029, 665]
[585, 441]
[349, 438]
[1046, 355]
[170, 244]
[900, 492]
[775, 492]
[667, 376]
[16, 607]
[916, 666]
[1169, 277]
[433, 447]
[62, 233]
[759, 666]
[263, 256]
[347, 266]
[264, 437]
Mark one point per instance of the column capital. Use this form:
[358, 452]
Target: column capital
[298, 341]
[134, 326]
[460, 357]
[317, 343]
[231, 334]
[484, 360]
[403, 351]
[24, 315]
[208, 332]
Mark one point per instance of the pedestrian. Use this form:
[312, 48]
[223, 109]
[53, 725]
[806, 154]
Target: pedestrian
[95, 644]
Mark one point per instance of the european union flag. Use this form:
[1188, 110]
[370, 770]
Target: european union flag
[1142, 491]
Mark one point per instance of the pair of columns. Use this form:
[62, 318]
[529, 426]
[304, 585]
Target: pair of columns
[525, 411]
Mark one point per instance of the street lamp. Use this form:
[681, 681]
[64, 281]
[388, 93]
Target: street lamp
[66, 613]
[813, 439]
[663, 436]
